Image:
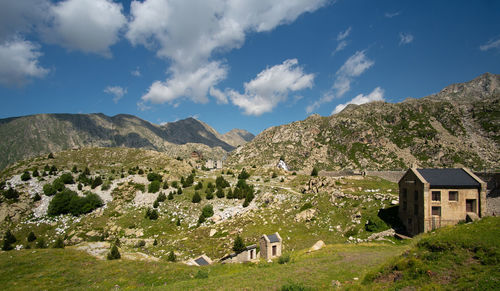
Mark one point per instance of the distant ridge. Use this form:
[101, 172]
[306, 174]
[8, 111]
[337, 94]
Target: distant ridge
[33, 135]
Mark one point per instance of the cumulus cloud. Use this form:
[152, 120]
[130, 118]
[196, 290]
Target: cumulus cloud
[270, 87]
[90, 26]
[405, 38]
[218, 95]
[116, 91]
[491, 44]
[192, 85]
[352, 68]
[376, 95]
[187, 33]
[19, 62]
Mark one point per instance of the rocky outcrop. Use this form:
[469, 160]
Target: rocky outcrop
[458, 126]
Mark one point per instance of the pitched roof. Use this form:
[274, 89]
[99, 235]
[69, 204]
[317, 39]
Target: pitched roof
[448, 178]
[273, 238]
[201, 261]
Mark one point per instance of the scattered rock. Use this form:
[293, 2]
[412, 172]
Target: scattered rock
[305, 215]
[317, 246]
[212, 232]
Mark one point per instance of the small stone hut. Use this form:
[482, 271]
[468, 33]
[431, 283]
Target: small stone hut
[202, 260]
[248, 255]
[271, 246]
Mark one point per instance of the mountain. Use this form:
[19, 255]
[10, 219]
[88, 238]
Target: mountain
[28, 136]
[237, 137]
[458, 126]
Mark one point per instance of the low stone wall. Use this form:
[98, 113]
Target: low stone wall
[393, 176]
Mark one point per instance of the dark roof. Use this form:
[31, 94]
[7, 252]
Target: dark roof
[273, 238]
[448, 178]
[201, 261]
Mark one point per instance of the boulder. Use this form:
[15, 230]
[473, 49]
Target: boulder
[212, 232]
[305, 215]
[317, 246]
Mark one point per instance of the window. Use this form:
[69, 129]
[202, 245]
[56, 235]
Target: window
[436, 195]
[415, 209]
[436, 210]
[415, 195]
[453, 196]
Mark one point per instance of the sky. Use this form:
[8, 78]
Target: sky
[248, 64]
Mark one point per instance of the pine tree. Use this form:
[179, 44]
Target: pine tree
[114, 254]
[196, 197]
[239, 245]
[314, 172]
[171, 256]
[31, 237]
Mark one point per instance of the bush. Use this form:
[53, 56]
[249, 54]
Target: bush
[178, 222]
[170, 196]
[31, 237]
[209, 195]
[165, 185]
[293, 287]
[106, 186]
[196, 197]
[156, 204]
[175, 184]
[11, 193]
[37, 197]
[243, 175]
[154, 186]
[152, 214]
[67, 178]
[114, 254]
[154, 177]
[68, 202]
[140, 172]
[179, 191]
[80, 186]
[58, 185]
[239, 245]
[141, 243]
[161, 197]
[35, 172]
[207, 211]
[220, 193]
[50, 156]
[96, 182]
[284, 259]
[220, 182]
[59, 244]
[229, 194]
[40, 243]
[201, 219]
[171, 256]
[74, 169]
[306, 205]
[9, 238]
[202, 274]
[314, 172]
[198, 186]
[140, 187]
[274, 175]
[25, 176]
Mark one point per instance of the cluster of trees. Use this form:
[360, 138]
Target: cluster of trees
[68, 202]
[10, 193]
[206, 212]
[10, 239]
[58, 185]
[188, 182]
[161, 198]
[152, 214]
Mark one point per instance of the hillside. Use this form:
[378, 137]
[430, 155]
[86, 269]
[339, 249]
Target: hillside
[29, 136]
[458, 126]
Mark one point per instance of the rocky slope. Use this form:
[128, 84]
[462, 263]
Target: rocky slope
[28, 136]
[458, 126]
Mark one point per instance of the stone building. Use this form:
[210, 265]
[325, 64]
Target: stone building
[248, 255]
[202, 260]
[212, 164]
[431, 198]
[271, 246]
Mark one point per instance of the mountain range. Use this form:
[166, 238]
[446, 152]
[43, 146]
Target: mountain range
[459, 126]
[29, 136]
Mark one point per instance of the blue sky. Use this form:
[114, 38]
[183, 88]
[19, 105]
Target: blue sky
[246, 64]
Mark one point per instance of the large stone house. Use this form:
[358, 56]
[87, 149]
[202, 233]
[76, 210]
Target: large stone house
[248, 255]
[431, 198]
[271, 246]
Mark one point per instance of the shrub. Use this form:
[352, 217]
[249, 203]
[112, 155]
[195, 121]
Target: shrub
[178, 222]
[80, 186]
[37, 197]
[2, 185]
[35, 172]
[171, 256]
[154, 186]
[154, 177]
[244, 175]
[58, 185]
[179, 191]
[155, 242]
[25, 176]
[207, 211]
[6, 246]
[106, 186]
[140, 187]
[198, 186]
[50, 156]
[306, 205]
[170, 196]
[219, 193]
[314, 172]
[175, 184]
[67, 178]
[196, 197]
[165, 185]
[40, 243]
[140, 172]
[152, 214]
[141, 243]
[156, 204]
[9, 238]
[68, 201]
[59, 244]
[293, 287]
[74, 169]
[161, 197]
[53, 170]
[274, 175]
[114, 254]
[220, 182]
[201, 219]
[229, 194]
[96, 182]
[201, 274]
[11, 193]
[31, 237]
[294, 174]
[210, 195]
[284, 259]
[239, 245]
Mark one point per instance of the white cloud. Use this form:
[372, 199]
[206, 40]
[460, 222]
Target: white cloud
[270, 87]
[343, 34]
[192, 85]
[340, 46]
[17, 17]
[188, 33]
[353, 67]
[19, 62]
[376, 95]
[491, 44]
[136, 72]
[405, 38]
[218, 95]
[90, 26]
[392, 14]
[116, 91]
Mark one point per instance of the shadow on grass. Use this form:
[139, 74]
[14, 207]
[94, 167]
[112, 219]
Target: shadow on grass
[391, 217]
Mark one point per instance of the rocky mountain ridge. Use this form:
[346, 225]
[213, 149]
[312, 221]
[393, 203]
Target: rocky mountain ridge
[459, 126]
[28, 136]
